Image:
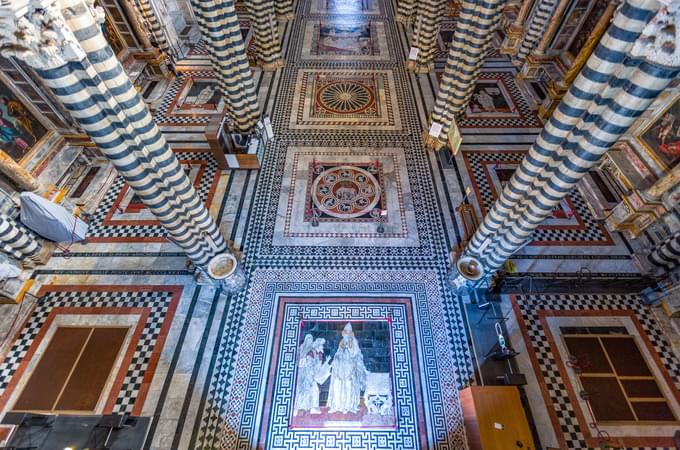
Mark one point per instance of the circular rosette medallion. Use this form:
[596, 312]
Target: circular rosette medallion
[345, 97]
[345, 192]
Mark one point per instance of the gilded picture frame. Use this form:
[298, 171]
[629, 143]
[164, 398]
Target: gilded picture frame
[659, 136]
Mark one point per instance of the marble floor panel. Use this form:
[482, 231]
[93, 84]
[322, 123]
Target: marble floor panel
[259, 382]
[349, 38]
[562, 338]
[192, 99]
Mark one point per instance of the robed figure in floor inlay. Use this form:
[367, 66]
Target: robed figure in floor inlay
[348, 375]
[312, 372]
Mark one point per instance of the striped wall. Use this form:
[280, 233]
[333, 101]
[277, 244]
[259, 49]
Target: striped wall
[16, 241]
[536, 27]
[153, 25]
[611, 91]
[95, 89]
[428, 16]
[284, 9]
[666, 254]
[474, 32]
[265, 33]
[219, 25]
[405, 9]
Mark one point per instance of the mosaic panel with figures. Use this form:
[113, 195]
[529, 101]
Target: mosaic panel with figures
[376, 338]
[342, 7]
[498, 102]
[193, 98]
[348, 38]
[571, 222]
[335, 99]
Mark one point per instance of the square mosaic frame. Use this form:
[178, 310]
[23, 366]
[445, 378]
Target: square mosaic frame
[528, 310]
[234, 410]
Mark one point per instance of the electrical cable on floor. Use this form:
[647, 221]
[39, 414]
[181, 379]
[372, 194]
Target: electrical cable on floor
[577, 366]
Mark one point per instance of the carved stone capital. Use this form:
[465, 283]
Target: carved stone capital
[659, 42]
[36, 32]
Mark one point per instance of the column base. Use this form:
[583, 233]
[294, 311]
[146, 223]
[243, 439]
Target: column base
[646, 267]
[285, 17]
[272, 66]
[415, 67]
[224, 272]
[401, 18]
[465, 273]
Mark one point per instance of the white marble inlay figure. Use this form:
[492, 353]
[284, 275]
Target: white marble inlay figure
[348, 375]
[312, 371]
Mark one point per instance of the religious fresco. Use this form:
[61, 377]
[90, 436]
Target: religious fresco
[344, 375]
[20, 130]
[661, 137]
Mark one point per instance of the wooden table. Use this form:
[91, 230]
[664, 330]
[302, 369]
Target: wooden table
[495, 419]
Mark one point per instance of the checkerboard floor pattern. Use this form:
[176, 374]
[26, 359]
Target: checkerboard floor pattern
[99, 230]
[157, 302]
[529, 307]
[591, 232]
[528, 117]
[163, 115]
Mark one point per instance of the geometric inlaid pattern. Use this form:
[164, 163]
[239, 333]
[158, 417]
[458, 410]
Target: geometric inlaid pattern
[155, 304]
[330, 99]
[257, 382]
[497, 102]
[344, 197]
[569, 421]
[571, 222]
[122, 217]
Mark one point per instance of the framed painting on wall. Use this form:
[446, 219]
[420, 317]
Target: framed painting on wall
[660, 136]
[20, 129]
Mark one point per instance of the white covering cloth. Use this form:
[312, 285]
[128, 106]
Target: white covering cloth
[51, 221]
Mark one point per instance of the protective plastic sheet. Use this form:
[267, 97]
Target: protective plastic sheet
[51, 221]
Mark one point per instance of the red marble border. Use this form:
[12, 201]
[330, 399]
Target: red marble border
[359, 300]
[139, 239]
[608, 241]
[176, 292]
[632, 441]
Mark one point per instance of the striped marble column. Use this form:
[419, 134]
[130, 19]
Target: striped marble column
[405, 9]
[100, 97]
[146, 11]
[284, 10]
[633, 63]
[16, 241]
[219, 25]
[666, 254]
[425, 31]
[471, 40]
[535, 29]
[265, 34]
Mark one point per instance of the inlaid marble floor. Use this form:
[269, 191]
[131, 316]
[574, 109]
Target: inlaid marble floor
[350, 220]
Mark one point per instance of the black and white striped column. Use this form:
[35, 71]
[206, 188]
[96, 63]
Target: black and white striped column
[16, 241]
[535, 29]
[84, 74]
[146, 11]
[666, 254]
[284, 10]
[219, 25]
[425, 31]
[265, 34]
[405, 9]
[471, 40]
[633, 63]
